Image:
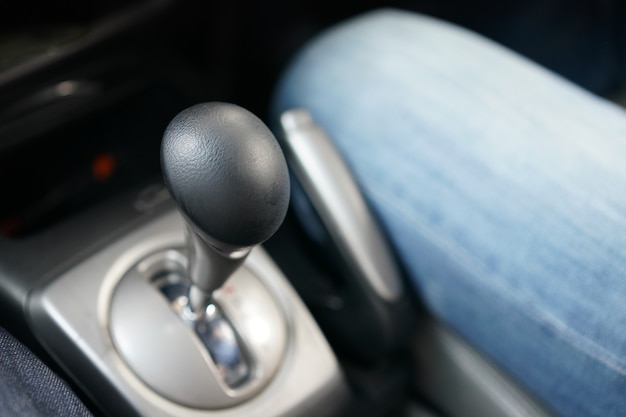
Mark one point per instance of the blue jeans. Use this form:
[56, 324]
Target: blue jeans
[501, 185]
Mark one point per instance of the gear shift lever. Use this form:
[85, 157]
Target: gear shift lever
[254, 349]
[226, 172]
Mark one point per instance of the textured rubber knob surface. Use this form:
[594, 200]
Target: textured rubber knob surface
[226, 172]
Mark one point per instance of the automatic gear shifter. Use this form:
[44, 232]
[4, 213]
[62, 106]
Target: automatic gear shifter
[157, 323]
[229, 178]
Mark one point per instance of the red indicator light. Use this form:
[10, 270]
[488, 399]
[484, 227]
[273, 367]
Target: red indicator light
[103, 166]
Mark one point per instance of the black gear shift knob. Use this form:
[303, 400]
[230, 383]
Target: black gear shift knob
[227, 173]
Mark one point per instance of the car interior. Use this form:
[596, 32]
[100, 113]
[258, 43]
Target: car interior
[105, 248]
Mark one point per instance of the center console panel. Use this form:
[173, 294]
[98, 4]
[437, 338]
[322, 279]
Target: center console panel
[73, 320]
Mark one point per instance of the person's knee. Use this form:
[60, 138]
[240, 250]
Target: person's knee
[388, 53]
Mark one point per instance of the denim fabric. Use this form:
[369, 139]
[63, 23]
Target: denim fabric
[28, 388]
[502, 187]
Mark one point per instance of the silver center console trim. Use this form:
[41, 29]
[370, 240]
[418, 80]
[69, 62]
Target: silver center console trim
[70, 315]
[197, 363]
[327, 181]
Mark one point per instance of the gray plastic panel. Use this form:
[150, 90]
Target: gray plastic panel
[70, 317]
[338, 201]
[146, 331]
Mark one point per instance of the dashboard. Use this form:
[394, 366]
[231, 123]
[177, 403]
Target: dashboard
[84, 103]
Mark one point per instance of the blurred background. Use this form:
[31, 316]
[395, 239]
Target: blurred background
[86, 88]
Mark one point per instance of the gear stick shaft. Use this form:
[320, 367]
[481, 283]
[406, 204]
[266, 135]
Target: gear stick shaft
[229, 178]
